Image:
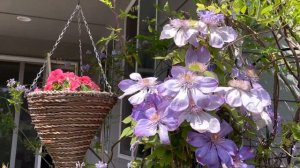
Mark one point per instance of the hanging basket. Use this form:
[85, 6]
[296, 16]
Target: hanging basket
[67, 121]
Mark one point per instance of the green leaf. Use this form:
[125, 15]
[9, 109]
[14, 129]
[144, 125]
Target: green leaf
[127, 120]
[200, 6]
[124, 14]
[107, 3]
[296, 131]
[177, 56]
[126, 132]
[166, 7]
[267, 10]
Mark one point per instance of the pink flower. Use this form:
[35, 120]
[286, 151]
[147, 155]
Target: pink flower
[48, 87]
[56, 76]
[58, 80]
[85, 80]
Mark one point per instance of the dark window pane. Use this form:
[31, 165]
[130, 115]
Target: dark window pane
[8, 70]
[30, 73]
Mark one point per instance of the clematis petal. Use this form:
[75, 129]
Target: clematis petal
[181, 101]
[200, 99]
[202, 27]
[215, 102]
[215, 40]
[211, 158]
[251, 103]
[131, 89]
[171, 85]
[168, 32]
[206, 84]
[227, 33]
[204, 122]
[181, 38]
[170, 122]
[135, 76]
[198, 140]
[261, 93]
[201, 55]
[246, 153]
[233, 98]
[225, 156]
[163, 134]
[199, 123]
[201, 153]
[225, 129]
[125, 84]
[138, 98]
[149, 113]
[194, 41]
[228, 145]
[262, 120]
[178, 70]
[145, 127]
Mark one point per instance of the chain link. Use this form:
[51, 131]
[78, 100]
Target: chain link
[33, 85]
[96, 52]
[80, 45]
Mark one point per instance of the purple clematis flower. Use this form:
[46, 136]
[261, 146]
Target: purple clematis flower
[239, 94]
[218, 34]
[157, 119]
[187, 88]
[101, 165]
[243, 154]
[199, 119]
[213, 149]
[262, 120]
[181, 31]
[135, 84]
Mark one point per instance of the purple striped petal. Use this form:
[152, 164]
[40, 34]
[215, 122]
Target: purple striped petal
[163, 134]
[181, 101]
[145, 127]
[168, 32]
[233, 98]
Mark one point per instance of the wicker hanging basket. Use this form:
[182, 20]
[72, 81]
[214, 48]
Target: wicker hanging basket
[67, 121]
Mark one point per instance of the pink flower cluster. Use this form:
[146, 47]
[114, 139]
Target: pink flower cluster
[58, 80]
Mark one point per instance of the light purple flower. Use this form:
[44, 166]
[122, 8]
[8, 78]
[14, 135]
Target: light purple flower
[20, 88]
[213, 149]
[137, 84]
[243, 154]
[239, 94]
[181, 31]
[85, 67]
[210, 18]
[101, 165]
[199, 119]
[157, 119]
[219, 34]
[186, 88]
[11, 83]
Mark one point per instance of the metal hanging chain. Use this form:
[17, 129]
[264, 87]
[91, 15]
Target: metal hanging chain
[96, 52]
[80, 45]
[32, 86]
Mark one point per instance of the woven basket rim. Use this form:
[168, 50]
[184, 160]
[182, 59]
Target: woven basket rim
[36, 93]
